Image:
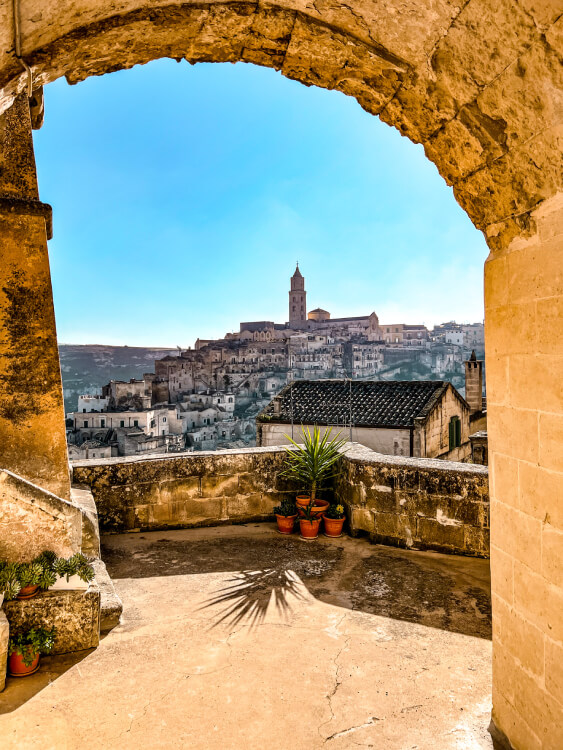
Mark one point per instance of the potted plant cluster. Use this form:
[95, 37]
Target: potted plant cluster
[312, 465]
[25, 649]
[47, 571]
[286, 513]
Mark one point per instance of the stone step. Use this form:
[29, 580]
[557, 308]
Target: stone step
[110, 604]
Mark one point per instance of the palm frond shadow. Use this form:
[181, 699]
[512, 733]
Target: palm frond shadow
[249, 594]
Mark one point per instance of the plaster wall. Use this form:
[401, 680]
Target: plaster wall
[390, 441]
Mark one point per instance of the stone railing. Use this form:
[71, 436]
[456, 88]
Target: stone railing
[401, 501]
[184, 489]
[416, 502]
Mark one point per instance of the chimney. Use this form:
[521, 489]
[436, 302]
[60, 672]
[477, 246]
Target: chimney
[474, 383]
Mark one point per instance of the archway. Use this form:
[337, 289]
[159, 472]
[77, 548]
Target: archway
[481, 86]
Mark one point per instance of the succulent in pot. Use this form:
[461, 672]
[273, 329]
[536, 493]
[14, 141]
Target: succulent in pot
[29, 575]
[334, 519]
[25, 649]
[286, 513]
[309, 522]
[10, 585]
[74, 573]
[312, 464]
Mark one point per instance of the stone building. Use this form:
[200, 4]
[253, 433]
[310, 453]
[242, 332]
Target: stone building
[423, 419]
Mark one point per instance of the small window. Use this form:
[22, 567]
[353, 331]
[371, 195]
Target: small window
[455, 432]
[85, 423]
[102, 422]
[122, 423]
[135, 423]
[84, 411]
[164, 419]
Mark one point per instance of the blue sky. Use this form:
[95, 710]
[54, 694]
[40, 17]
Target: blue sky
[184, 195]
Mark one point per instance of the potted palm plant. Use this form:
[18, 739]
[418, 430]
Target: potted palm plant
[25, 649]
[312, 464]
[334, 520]
[286, 513]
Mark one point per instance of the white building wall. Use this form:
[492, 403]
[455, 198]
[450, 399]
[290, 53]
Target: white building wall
[391, 442]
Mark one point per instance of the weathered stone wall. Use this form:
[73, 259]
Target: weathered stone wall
[524, 340]
[32, 520]
[32, 428]
[183, 490]
[399, 501]
[434, 436]
[422, 503]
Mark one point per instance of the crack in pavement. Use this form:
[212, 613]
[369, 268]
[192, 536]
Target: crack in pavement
[337, 681]
[343, 732]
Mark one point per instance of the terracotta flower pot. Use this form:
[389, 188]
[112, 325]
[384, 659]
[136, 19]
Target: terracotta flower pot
[28, 592]
[333, 526]
[320, 505]
[285, 523]
[309, 529]
[17, 668]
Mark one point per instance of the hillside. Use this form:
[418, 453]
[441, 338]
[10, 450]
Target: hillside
[86, 368]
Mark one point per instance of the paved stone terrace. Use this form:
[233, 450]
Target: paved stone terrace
[236, 637]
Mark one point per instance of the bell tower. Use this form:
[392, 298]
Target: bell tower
[297, 300]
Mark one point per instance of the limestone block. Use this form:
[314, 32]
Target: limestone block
[476, 541]
[440, 536]
[401, 528]
[360, 519]
[4, 638]
[219, 486]
[179, 489]
[75, 615]
[244, 506]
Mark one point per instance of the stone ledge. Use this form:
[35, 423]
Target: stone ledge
[359, 454]
[82, 497]
[111, 606]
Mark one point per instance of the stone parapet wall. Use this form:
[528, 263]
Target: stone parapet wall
[414, 502]
[400, 501]
[186, 489]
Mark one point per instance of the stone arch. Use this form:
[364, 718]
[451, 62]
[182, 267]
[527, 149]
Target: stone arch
[480, 84]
